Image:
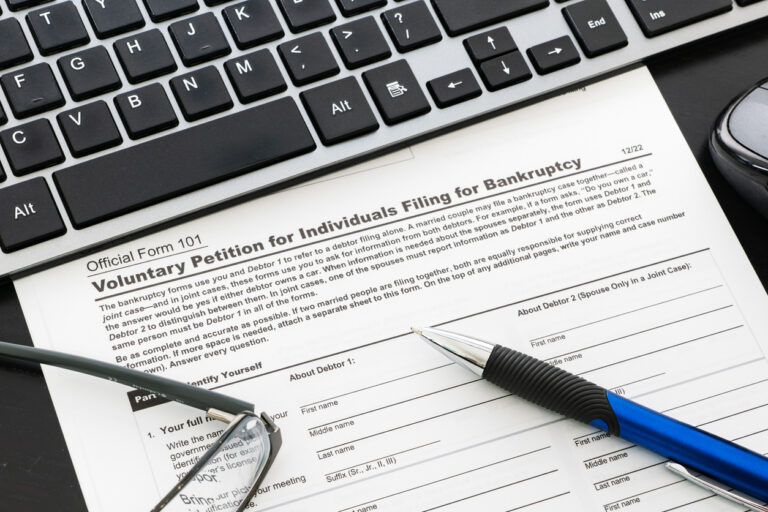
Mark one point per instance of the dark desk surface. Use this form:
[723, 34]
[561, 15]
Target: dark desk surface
[35, 470]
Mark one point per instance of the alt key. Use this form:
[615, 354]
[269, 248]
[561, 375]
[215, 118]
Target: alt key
[28, 215]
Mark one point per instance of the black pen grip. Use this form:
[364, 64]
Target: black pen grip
[550, 387]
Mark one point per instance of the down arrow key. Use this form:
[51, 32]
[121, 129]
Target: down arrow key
[454, 88]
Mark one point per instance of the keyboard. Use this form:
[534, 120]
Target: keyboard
[117, 116]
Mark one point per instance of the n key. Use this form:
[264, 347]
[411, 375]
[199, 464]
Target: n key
[201, 93]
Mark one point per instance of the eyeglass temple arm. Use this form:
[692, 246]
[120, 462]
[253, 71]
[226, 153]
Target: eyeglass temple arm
[199, 398]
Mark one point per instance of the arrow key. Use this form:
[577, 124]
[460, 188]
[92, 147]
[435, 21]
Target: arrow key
[490, 44]
[504, 71]
[554, 55]
[454, 88]
[360, 42]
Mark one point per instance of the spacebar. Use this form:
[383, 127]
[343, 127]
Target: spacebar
[115, 184]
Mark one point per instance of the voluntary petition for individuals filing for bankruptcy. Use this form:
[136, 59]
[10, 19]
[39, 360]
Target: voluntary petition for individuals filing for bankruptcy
[579, 230]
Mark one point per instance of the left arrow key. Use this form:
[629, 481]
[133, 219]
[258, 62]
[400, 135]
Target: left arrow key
[28, 215]
[454, 88]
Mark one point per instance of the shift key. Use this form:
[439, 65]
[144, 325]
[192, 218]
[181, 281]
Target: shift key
[28, 215]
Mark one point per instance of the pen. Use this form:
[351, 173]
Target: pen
[728, 469]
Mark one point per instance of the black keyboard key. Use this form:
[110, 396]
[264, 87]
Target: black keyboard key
[89, 128]
[253, 22]
[255, 76]
[308, 59]
[144, 56]
[124, 181]
[2, 174]
[396, 92]
[146, 111]
[160, 10]
[305, 15]
[199, 39]
[659, 16]
[454, 88]
[505, 71]
[339, 111]
[490, 44]
[57, 27]
[112, 17]
[201, 93]
[28, 215]
[360, 42]
[32, 90]
[411, 26]
[89, 73]
[13, 45]
[747, 2]
[554, 55]
[595, 26]
[462, 16]
[31, 147]
[17, 5]
[352, 7]
[3, 120]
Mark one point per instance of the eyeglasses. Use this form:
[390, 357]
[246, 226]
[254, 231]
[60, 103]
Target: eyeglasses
[228, 474]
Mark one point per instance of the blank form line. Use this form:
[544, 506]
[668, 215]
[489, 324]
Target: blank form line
[614, 477]
[732, 415]
[383, 457]
[691, 503]
[646, 492]
[718, 394]
[539, 501]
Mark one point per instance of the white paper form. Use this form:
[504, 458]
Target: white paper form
[579, 230]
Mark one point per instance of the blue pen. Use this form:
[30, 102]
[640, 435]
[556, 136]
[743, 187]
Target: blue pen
[727, 469]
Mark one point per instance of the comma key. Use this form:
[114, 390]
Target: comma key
[28, 215]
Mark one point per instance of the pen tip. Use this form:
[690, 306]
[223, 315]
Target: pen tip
[417, 331]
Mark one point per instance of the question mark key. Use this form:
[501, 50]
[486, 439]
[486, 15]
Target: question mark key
[411, 26]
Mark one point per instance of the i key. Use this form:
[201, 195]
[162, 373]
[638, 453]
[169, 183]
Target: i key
[305, 15]
[411, 26]
[57, 27]
[160, 10]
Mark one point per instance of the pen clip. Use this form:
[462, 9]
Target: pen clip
[716, 487]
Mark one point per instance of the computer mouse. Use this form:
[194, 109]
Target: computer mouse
[739, 145]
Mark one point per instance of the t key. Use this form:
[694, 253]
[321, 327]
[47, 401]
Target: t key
[57, 27]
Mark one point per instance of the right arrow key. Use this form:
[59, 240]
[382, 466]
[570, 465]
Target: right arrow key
[554, 55]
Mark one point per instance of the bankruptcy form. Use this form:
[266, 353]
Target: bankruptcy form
[579, 230]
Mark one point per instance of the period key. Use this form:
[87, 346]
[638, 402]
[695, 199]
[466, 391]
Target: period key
[339, 111]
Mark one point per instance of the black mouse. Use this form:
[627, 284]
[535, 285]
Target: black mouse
[739, 145]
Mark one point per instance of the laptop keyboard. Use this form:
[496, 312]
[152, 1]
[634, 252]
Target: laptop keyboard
[118, 115]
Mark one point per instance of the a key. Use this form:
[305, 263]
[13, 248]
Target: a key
[554, 55]
[360, 42]
[32, 90]
[31, 147]
[657, 17]
[89, 128]
[201, 93]
[411, 26]
[145, 174]
[462, 16]
[305, 15]
[144, 56]
[199, 39]
[308, 59]
[454, 88]
[255, 76]
[112, 17]
[339, 111]
[490, 44]
[396, 92]
[504, 71]
[352, 7]
[146, 111]
[57, 27]
[595, 26]
[13, 45]
[89, 73]
[17, 5]
[28, 215]
[160, 10]
[252, 22]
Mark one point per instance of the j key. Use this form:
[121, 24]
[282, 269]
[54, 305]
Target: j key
[396, 92]
[57, 27]
[145, 174]
[252, 22]
[454, 88]
[595, 26]
[352, 7]
[339, 111]
[89, 73]
[160, 10]
[13, 46]
[199, 39]
[305, 15]
[462, 16]
[17, 5]
[308, 59]
[411, 26]
[28, 215]
[146, 111]
[490, 44]
[255, 76]
[89, 129]
[144, 56]
[659, 16]
[505, 71]
[113, 17]
[360, 42]
[32, 90]
[201, 93]
[554, 55]
[31, 147]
